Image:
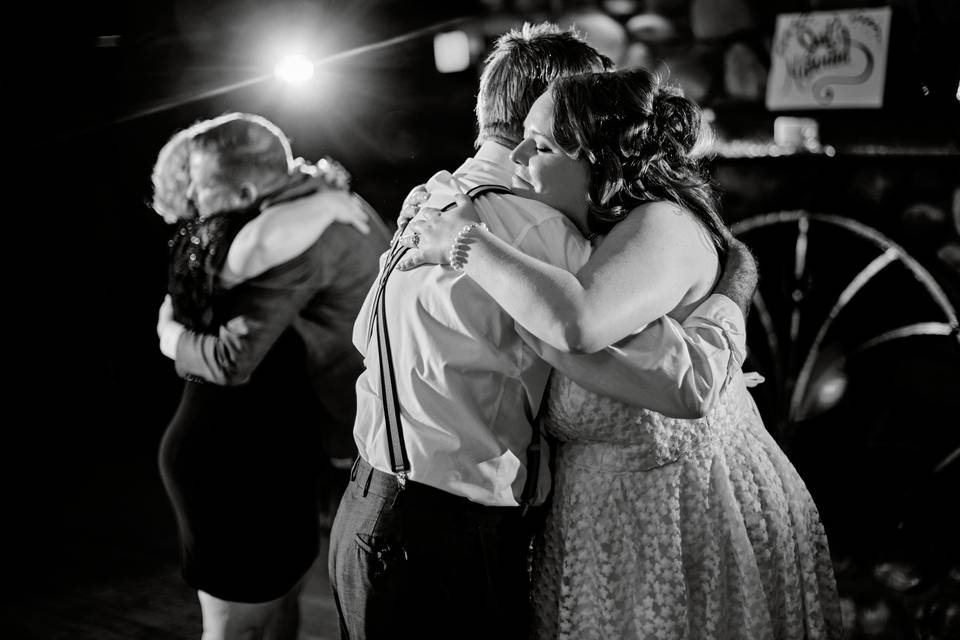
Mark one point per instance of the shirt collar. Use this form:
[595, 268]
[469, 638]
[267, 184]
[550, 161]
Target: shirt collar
[494, 152]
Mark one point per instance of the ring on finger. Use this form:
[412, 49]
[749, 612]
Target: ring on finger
[411, 240]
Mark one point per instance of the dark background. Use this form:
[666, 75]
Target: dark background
[91, 394]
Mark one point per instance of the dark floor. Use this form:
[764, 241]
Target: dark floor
[94, 555]
[157, 606]
[93, 551]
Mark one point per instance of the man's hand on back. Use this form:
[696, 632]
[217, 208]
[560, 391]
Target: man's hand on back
[739, 279]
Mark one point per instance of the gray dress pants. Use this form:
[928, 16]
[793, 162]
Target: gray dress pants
[422, 563]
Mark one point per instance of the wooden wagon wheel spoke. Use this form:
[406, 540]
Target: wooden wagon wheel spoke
[786, 340]
[862, 278]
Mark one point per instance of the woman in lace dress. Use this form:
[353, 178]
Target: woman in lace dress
[659, 527]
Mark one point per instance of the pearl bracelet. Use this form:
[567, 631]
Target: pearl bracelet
[460, 246]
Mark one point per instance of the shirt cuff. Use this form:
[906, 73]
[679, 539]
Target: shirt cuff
[169, 337]
[721, 311]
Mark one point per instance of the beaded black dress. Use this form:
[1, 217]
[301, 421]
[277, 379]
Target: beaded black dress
[239, 462]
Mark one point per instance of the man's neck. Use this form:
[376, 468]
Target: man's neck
[502, 141]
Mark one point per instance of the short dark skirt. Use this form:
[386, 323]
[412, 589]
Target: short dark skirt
[240, 467]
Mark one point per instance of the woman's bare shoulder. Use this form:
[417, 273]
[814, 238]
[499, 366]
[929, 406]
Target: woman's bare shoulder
[656, 223]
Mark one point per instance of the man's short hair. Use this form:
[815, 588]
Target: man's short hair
[523, 62]
[248, 147]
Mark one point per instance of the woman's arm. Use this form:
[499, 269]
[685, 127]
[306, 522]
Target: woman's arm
[284, 231]
[276, 236]
[656, 259]
[231, 354]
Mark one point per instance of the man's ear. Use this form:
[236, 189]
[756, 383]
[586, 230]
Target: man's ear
[248, 193]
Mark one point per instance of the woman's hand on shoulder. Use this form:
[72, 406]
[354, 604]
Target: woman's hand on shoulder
[431, 234]
[349, 211]
[411, 206]
[303, 214]
[285, 230]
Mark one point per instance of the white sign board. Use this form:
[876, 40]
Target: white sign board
[829, 60]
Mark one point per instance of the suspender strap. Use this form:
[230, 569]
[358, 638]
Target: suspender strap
[479, 190]
[399, 462]
[397, 251]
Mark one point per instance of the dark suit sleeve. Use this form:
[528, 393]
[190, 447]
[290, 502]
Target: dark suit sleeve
[318, 293]
[269, 306]
[266, 306]
[231, 356]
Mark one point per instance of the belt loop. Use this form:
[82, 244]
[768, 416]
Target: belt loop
[353, 469]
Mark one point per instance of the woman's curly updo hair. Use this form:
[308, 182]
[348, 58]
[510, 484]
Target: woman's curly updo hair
[642, 139]
[171, 178]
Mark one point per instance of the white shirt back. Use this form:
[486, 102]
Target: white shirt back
[469, 386]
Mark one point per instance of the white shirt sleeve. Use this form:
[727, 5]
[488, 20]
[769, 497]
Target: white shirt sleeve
[678, 369]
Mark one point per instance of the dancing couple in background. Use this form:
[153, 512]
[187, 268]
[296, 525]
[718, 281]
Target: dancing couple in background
[269, 262]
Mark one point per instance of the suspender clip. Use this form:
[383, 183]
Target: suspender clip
[402, 480]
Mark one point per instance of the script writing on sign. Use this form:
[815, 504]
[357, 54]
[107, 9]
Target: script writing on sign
[829, 60]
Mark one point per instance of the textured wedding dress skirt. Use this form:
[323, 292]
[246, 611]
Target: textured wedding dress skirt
[664, 528]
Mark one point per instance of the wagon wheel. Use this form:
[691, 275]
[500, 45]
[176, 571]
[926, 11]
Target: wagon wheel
[814, 270]
[859, 345]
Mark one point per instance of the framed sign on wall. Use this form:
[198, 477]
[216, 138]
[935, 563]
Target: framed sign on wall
[829, 60]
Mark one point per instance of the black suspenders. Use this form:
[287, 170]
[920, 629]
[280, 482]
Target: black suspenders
[399, 462]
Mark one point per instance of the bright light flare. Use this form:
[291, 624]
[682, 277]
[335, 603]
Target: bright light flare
[295, 69]
[451, 51]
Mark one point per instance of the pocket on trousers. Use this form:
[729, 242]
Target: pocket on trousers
[380, 559]
[365, 543]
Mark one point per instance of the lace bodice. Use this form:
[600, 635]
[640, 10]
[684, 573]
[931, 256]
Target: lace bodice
[621, 436]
